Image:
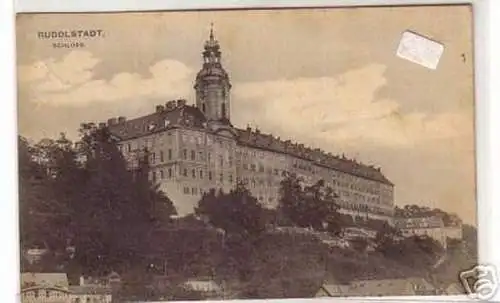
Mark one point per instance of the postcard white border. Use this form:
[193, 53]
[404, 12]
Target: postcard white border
[487, 78]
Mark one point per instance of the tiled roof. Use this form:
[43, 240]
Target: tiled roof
[44, 279]
[178, 114]
[173, 114]
[257, 139]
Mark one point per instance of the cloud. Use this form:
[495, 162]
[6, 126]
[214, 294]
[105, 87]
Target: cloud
[71, 81]
[344, 110]
[429, 155]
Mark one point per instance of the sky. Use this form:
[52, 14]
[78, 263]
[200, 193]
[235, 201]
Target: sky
[328, 78]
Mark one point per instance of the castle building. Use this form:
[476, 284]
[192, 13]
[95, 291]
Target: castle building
[431, 226]
[194, 148]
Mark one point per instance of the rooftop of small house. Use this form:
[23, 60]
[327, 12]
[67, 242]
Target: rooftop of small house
[58, 280]
[419, 222]
[177, 113]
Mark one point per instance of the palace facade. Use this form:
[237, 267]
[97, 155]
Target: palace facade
[194, 148]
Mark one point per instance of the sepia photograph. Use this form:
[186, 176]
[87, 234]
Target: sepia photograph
[247, 154]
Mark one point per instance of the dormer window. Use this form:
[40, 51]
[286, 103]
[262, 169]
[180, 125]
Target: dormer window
[151, 126]
[167, 123]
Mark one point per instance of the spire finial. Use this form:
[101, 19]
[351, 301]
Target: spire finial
[211, 31]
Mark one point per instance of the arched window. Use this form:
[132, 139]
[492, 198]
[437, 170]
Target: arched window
[203, 108]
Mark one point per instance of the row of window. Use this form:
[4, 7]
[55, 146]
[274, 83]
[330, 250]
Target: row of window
[260, 154]
[57, 294]
[200, 156]
[193, 191]
[44, 293]
[360, 197]
[260, 168]
[193, 173]
[192, 155]
[161, 156]
[197, 174]
[364, 208]
[252, 183]
[192, 139]
[147, 143]
[189, 155]
[198, 139]
[162, 175]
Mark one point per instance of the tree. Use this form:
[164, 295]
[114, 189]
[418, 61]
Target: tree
[32, 191]
[386, 237]
[118, 208]
[236, 212]
[312, 206]
[283, 266]
[46, 187]
[417, 251]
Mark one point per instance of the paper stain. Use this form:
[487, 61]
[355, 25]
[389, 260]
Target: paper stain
[420, 50]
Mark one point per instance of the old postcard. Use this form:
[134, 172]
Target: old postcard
[237, 154]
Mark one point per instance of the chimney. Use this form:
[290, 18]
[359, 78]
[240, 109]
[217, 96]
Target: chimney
[159, 108]
[170, 105]
[121, 119]
[112, 121]
[181, 102]
[82, 280]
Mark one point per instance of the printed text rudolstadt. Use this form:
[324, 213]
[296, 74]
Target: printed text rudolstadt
[62, 34]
